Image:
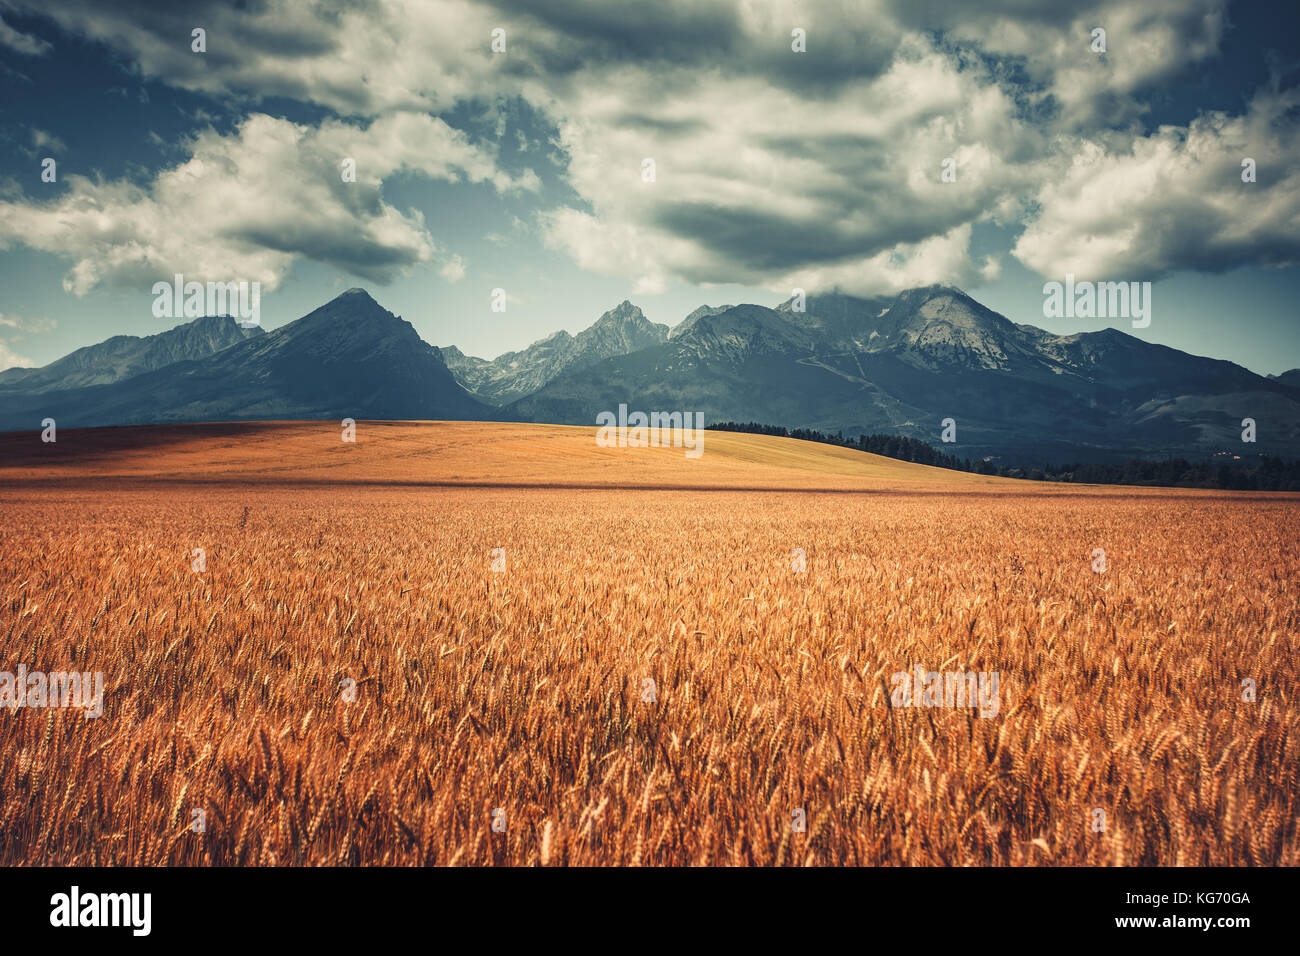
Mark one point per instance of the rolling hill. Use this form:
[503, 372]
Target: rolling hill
[472, 454]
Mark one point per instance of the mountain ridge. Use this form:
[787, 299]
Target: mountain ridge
[123, 356]
[841, 364]
[512, 375]
[903, 364]
[349, 358]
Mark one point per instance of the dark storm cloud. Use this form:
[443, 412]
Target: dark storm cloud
[578, 36]
[770, 160]
[775, 243]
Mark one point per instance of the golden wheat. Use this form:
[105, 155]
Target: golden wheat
[349, 682]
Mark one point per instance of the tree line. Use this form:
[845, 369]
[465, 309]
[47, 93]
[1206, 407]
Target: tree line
[1256, 473]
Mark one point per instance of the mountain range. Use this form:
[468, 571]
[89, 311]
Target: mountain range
[351, 358]
[835, 363]
[619, 331]
[124, 356]
[902, 364]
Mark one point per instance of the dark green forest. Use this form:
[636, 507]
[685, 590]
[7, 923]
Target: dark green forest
[1254, 473]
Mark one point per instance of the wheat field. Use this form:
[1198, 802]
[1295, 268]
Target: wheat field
[641, 674]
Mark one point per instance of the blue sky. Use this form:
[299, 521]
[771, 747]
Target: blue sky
[774, 169]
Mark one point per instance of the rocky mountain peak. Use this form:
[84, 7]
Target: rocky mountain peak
[623, 313]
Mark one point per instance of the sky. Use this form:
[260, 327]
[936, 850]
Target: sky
[526, 167]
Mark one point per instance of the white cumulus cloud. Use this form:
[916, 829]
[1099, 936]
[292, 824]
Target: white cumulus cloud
[245, 206]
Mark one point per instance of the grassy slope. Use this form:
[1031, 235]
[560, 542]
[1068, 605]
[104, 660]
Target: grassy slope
[484, 454]
[468, 453]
